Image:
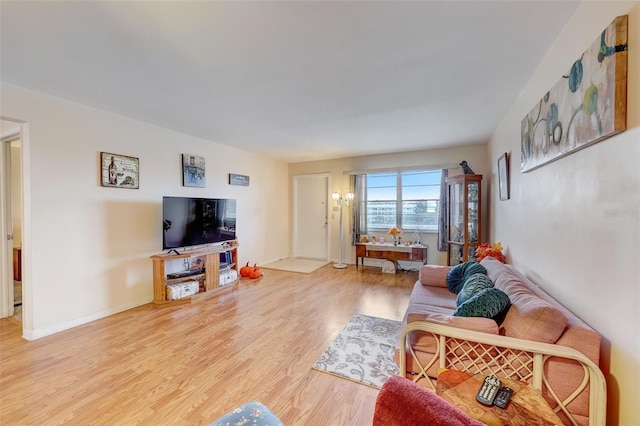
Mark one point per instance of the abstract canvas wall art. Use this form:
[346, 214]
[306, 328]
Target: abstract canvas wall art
[588, 103]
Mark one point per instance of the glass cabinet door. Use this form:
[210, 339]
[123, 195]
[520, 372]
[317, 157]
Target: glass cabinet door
[455, 254]
[464, 221]
[473, 207]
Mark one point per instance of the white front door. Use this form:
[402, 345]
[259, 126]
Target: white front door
[310, 216]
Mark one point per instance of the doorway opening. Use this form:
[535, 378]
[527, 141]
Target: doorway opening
[11, 193]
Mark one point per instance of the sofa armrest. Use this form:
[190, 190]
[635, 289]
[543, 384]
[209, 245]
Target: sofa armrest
[483, 325]
[507, 357]
[434, 275]
[401, 402]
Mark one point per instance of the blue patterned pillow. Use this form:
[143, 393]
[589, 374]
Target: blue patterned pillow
[459, 274]
[254, 413]
[474, 284]
[488, 303]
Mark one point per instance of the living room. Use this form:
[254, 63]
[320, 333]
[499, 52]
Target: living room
[572, 226]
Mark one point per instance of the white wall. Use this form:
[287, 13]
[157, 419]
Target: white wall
[573, 225]
[87, 247]
[476, 156]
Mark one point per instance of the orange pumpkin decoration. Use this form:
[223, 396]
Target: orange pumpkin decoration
[245, 270]
[255, 273]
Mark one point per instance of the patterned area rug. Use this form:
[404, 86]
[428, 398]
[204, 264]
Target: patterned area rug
[363, 351]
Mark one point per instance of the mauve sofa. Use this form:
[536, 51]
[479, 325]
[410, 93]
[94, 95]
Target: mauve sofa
[539, 341]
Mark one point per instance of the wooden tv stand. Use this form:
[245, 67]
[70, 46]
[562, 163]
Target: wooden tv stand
[415, 253]
[209, 279]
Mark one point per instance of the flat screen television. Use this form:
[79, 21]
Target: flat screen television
[190, 221]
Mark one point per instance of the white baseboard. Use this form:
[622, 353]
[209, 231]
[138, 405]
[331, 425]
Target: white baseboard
[42, 332]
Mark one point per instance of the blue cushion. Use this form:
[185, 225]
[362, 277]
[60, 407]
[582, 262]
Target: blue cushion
[474, 284]
[251, 413]
[488, 303]
[460, 273]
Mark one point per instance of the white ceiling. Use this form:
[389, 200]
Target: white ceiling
[292, 80]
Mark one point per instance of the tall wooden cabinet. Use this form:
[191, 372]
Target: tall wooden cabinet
[464, 228]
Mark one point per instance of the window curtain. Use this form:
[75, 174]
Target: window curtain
[443, 212]
[359, 210]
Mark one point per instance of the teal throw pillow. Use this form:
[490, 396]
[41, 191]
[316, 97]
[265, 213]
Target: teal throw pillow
[460, 273]
[488, 303]
[474, 284]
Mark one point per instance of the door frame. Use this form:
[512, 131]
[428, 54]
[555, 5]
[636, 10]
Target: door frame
[6, 228]
[294, 207]
[6, 281]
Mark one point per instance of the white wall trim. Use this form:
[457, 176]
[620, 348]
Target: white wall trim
[42, 332]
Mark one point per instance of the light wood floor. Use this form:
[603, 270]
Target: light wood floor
[189, 364]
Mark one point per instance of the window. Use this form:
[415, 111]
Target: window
[407, 199]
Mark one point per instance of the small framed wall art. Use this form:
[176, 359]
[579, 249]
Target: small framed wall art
[503, 176]
[193, 171]
[239, 180]
[119, 171]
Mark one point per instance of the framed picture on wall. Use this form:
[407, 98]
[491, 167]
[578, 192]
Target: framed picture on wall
[239, 180]
[503, 176]
[119, 171]
[193, 171]
[587, 104]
